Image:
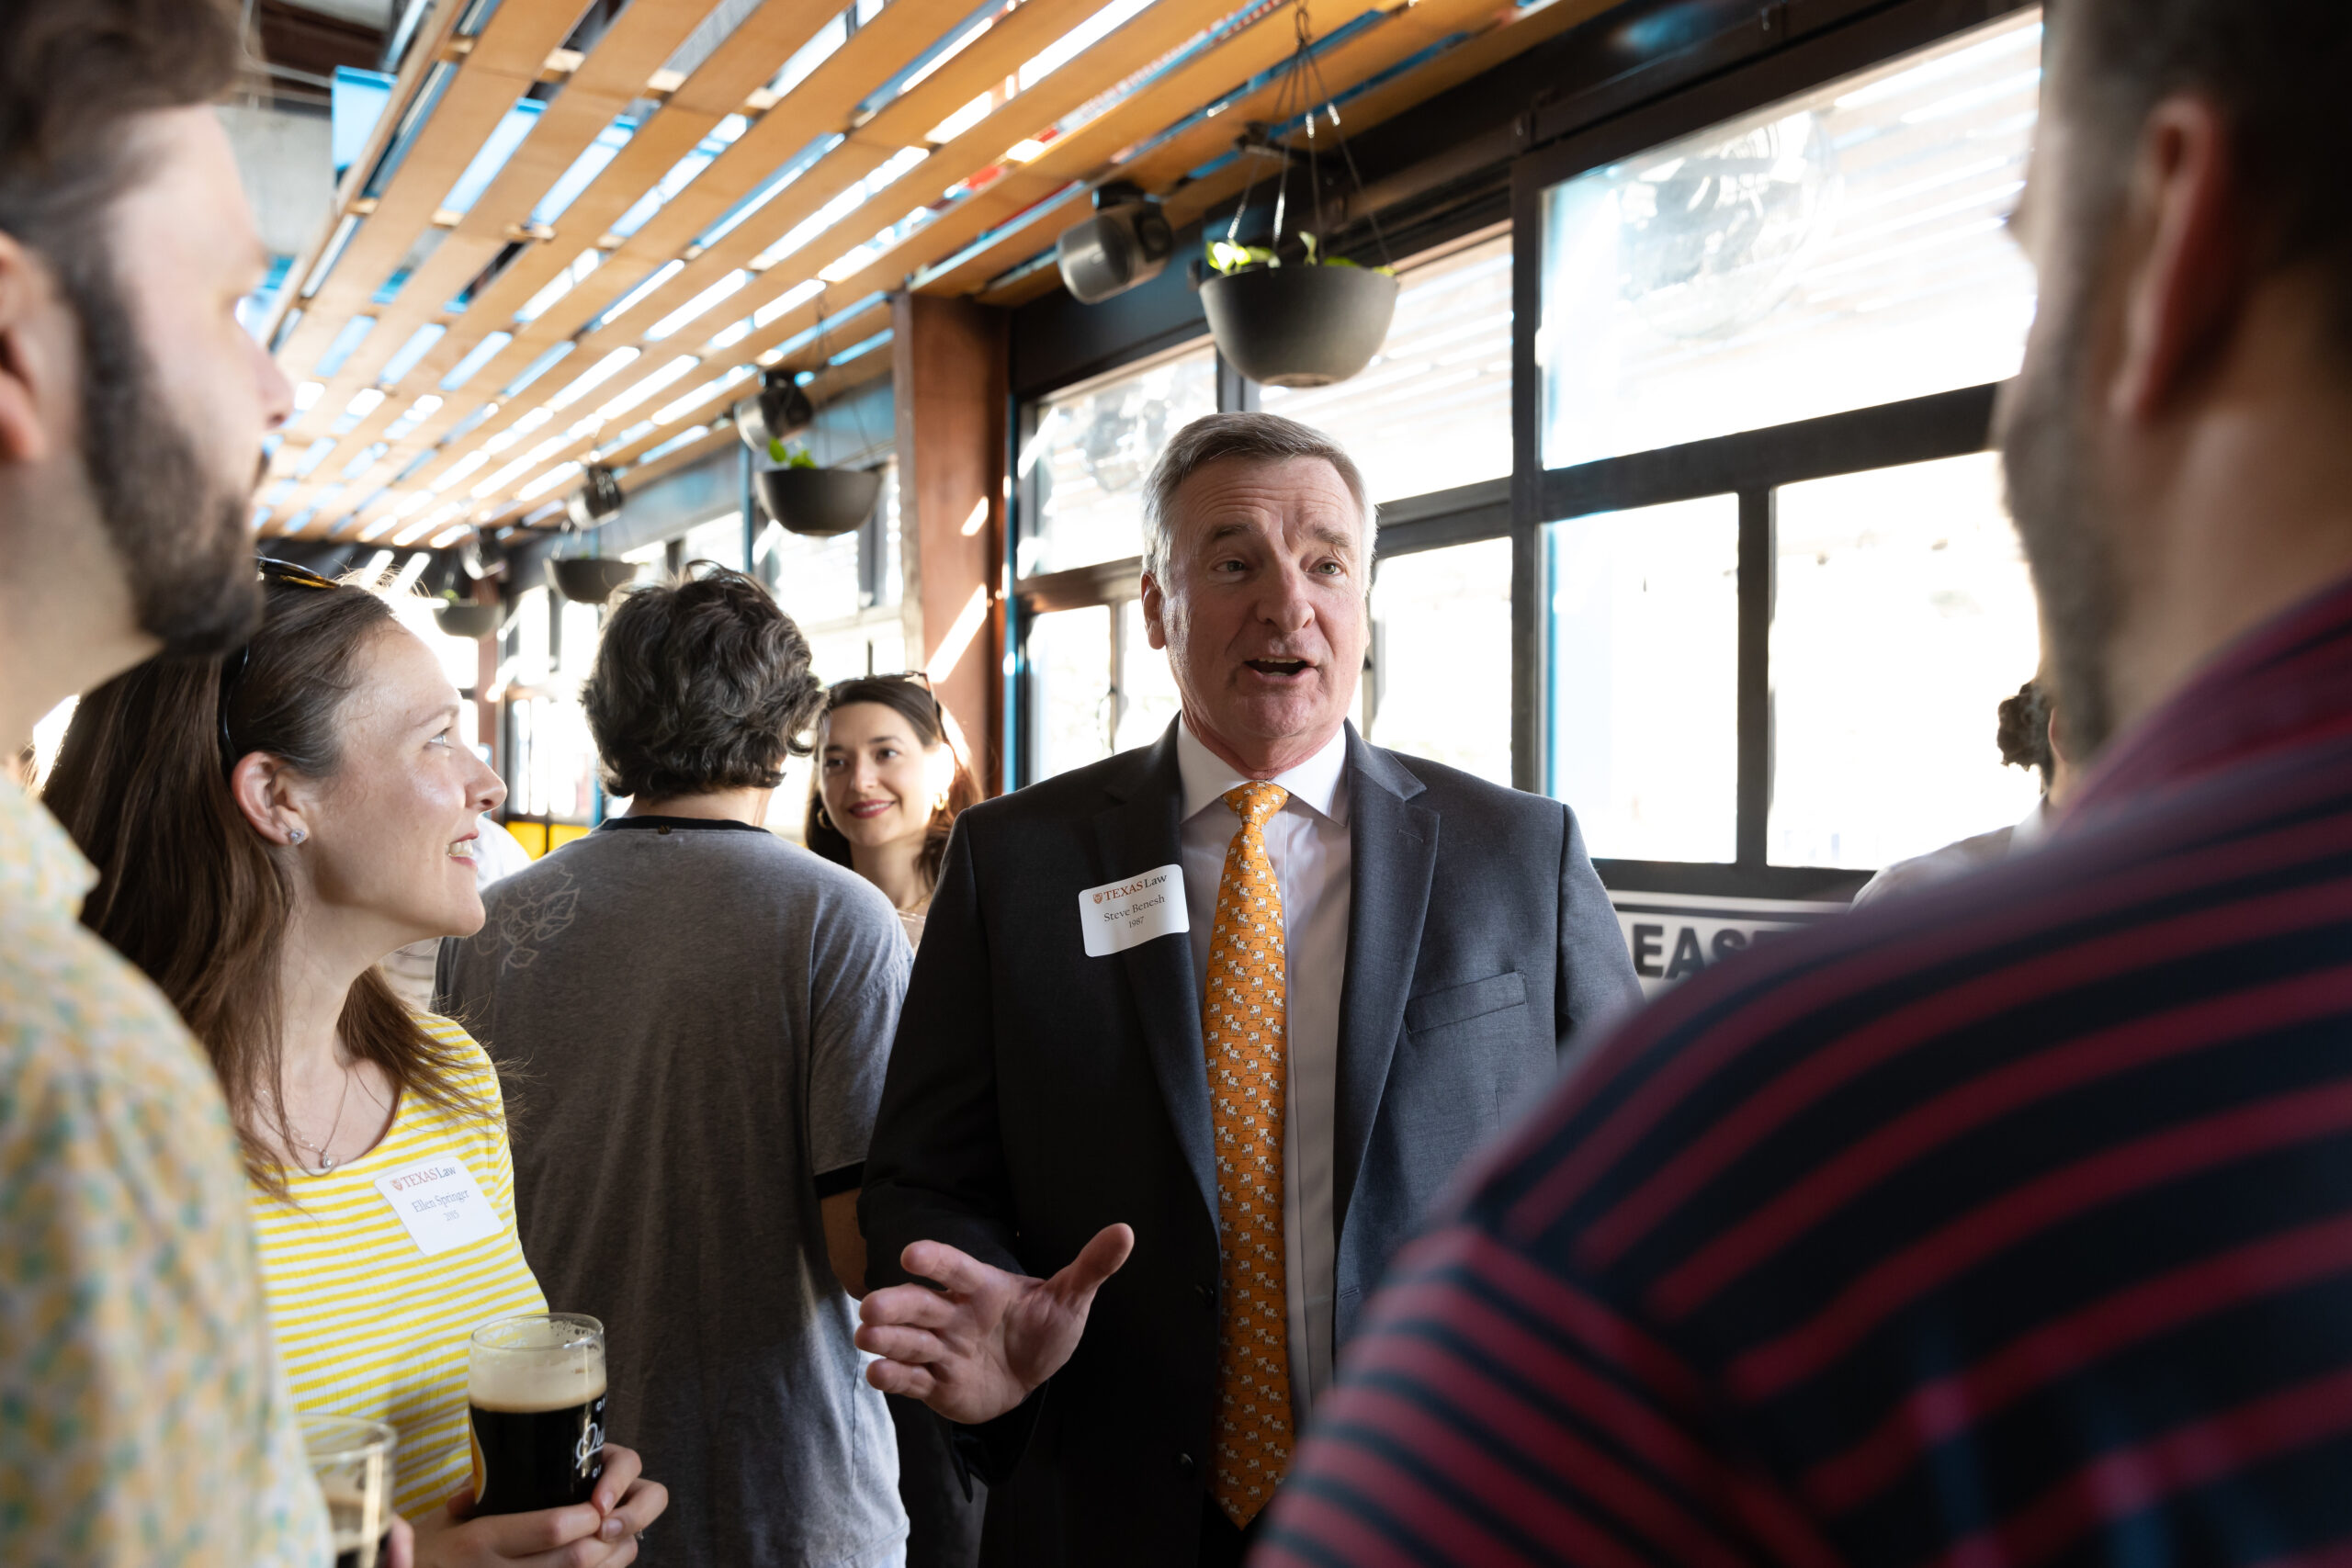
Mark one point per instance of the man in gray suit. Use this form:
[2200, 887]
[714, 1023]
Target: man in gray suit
[1227, 1011]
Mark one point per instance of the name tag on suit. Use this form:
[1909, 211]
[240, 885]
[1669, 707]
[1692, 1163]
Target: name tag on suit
[1118, 915]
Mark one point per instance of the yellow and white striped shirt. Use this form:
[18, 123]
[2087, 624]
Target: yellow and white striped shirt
[369, 1325]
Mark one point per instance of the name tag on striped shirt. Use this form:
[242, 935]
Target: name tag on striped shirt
[438, 1200]
[1117, 915]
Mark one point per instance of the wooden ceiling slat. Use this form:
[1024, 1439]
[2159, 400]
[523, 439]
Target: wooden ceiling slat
[612, 75]
[751, 54]
[1235, 60]
[1130, 48]
[1499, 31]
[423, 52]
[900, 124]
[1084, 155]
[870, 56]
[825, 102]
[852, 328]
[504, 62]
[1429, 21]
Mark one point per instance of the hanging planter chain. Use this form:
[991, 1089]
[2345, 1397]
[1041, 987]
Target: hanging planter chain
[1302, 84]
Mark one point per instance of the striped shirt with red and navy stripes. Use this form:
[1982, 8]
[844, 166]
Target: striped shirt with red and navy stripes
[2008, 1225]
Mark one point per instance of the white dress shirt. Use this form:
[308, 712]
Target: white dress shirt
[1307, 841]
[1960, 859]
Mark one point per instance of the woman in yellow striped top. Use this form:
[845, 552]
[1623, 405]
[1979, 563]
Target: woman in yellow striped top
[266, 827]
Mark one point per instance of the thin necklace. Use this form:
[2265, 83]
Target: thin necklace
[327, 1162]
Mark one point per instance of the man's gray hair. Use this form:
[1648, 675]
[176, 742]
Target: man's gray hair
[1260, 437]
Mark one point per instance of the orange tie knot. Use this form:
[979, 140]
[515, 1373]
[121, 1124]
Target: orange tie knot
[1256, 803]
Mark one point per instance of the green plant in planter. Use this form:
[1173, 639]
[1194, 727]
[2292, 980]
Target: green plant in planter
[1229, 258]
[793, 458]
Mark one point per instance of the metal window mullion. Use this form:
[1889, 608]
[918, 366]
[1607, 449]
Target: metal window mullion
[1236, 393]
[1757, 557]
[1529, 740]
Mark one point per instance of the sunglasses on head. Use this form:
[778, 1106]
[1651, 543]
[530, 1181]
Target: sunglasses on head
[920, 678]
[287, 574]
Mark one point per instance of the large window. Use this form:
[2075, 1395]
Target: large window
[1833, 251]
[1779, 599]
[1879, 758]
[1439, 685]
[1645, 643]
[1085, 461]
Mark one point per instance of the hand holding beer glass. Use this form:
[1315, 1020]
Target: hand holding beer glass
[544, 1476]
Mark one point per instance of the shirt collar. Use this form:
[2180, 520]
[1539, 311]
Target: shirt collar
[1320, 782]
[40, 868]
[2287, 683]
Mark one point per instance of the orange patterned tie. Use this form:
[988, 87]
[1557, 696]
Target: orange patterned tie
[1242, 1024]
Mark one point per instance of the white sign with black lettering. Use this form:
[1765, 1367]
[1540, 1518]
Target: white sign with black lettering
[438, 1200]
[1674, 936]
[1118, 915]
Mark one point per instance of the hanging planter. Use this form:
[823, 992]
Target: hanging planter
[591, 580]
[806, 499]
[1296, 316]
[802, 497]
[1300, 326]
[460, 618]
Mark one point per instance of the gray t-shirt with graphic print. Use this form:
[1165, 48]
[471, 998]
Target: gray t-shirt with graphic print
[692, 1019]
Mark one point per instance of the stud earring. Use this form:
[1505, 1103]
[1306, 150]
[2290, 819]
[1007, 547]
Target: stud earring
[295, 835]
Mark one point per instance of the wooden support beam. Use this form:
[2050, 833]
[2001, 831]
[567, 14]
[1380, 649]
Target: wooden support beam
[949, 367]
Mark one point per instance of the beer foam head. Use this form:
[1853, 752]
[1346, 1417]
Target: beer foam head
[537, 1363]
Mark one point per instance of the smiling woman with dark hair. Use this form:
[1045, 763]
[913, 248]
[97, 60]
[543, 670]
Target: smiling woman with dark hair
[698, 998]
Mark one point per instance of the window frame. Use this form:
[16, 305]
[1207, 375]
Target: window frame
[1750, 464]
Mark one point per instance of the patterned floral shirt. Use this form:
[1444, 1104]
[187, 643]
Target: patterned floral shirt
[144, 1417]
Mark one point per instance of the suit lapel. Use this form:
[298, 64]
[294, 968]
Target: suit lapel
[1393, 844]
[1137, 834]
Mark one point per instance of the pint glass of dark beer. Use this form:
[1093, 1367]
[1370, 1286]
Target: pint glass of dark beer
[536, 1385]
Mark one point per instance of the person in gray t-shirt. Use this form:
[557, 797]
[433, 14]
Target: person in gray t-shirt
[699, 1014]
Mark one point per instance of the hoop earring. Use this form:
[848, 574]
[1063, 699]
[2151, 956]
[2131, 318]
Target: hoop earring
[824, 821]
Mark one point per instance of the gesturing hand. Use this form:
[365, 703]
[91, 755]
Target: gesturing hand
[978, 1351]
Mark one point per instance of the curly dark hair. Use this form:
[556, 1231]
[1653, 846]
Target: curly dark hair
[2024, 735]
[699, 685]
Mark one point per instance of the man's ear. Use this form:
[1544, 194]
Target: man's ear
[1155, 609]
[28, 353]
[2186, 288]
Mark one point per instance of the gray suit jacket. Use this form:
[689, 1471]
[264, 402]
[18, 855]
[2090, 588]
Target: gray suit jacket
[1037, 1095]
